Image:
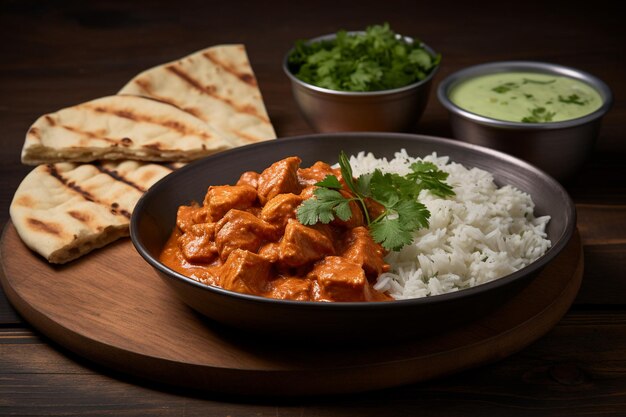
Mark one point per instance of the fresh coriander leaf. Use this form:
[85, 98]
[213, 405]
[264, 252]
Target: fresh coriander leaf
[343, 211]
[390, 234]
[431, 178]
[406, 187]
[363, 184]
[323, 207]
[308, 212]
[412, 214]
[423, 166]
[330, 181]
[346, 172]
[325, 194]
[382, 189]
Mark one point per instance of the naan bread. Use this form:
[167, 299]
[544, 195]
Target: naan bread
[63, 211]
[216, 85]
[120, 127]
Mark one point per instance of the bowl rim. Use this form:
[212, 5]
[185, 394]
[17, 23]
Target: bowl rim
[467, 73]
[408, 39]
[556, 247]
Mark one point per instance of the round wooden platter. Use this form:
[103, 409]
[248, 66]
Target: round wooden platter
[112, 308]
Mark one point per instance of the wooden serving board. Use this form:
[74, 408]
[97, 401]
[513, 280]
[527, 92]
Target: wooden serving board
[112, 308]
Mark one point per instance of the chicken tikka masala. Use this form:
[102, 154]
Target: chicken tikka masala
[246, 238]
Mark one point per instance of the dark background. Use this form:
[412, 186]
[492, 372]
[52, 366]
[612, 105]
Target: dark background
[60, 53]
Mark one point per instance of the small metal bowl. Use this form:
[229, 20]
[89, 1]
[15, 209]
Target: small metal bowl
[559, 148]
[396, 110]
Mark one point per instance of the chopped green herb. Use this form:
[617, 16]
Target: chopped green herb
[377, 59]
[398, 194]
[539, 115]
[528, 96]
[505, 88]
[572, 99]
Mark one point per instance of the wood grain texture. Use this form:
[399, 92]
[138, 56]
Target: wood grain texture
[535, 381]
[112, 308]
[56, 54]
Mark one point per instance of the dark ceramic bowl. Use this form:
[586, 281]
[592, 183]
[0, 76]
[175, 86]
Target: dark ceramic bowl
[155, 214]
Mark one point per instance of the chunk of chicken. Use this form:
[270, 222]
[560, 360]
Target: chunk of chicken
[340, 279]
[187, 216]
[270, 251]
[316, 173]
[302, 245]
[279, 178]
[250, 178]
[287, 288]
[360, 248]
[307, 192]
[245, 272]
[242, 230]
[220, 199]
[280, 209]
[197, 245]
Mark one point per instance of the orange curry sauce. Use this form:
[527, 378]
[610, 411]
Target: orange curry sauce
[246, 238]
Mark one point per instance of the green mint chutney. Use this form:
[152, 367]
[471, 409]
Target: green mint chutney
[526, 97]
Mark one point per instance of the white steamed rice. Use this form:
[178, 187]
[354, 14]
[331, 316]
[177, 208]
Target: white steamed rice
[480, 234]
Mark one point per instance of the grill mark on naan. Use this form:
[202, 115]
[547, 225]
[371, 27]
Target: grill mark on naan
[81, 217]
[35, 133]
[243, 76]
[246, 137]
[136, 117]
[50, 120]
[114, 207]
[88, 134]
[147, 91]
[146, 88]
[24, 201]
[50, 228]
[116, 176]
[211, 92]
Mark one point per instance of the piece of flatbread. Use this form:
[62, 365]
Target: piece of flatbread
[217, 85]
[65, 210]
[120, 127]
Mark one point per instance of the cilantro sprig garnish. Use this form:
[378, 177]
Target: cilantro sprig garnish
[375, 60]
[402, 214]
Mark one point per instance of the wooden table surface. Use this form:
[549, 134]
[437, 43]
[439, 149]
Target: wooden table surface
[56, 54]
